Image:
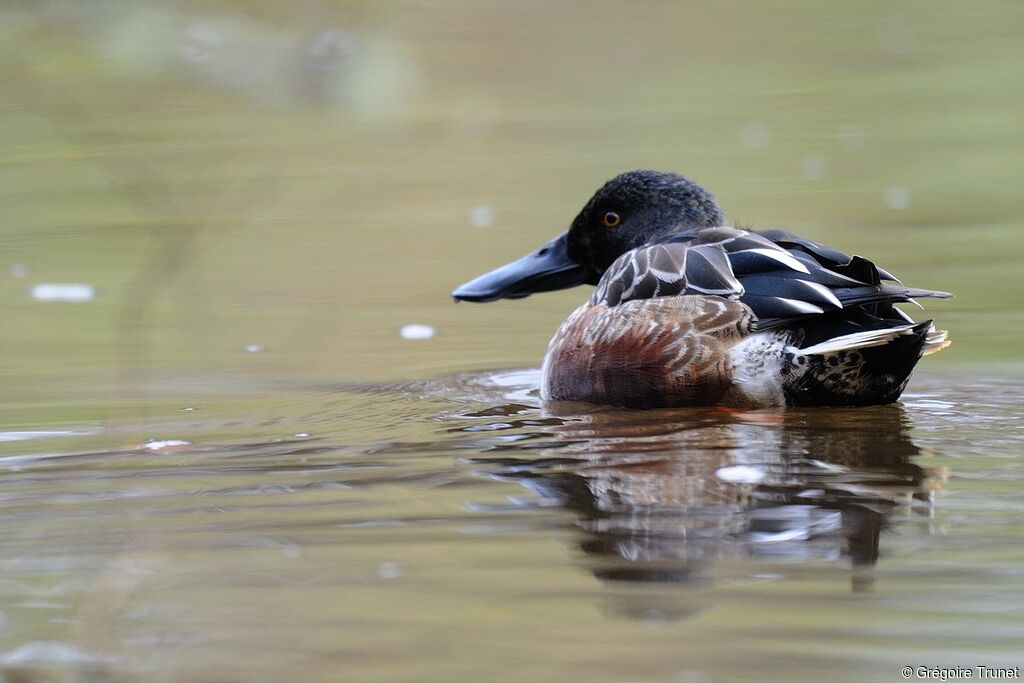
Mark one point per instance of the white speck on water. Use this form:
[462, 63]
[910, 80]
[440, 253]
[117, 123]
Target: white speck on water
[292, 551]
[739, 474]
[50, 653]
[41, 434]
[52, 291]
[253, 348]
[897, 197]
[333, 42]
[755, 135]
[19, 270]
[204, 33]
[301, 435]
[814, 167]
[389, 571]
[851, 136]
[165, 444]
[201, 43]
[416, 331]
[129, 566]
[188, 409]
[481, 216]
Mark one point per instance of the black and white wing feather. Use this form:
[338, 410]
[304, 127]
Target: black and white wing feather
[671, 269]
[779, 276]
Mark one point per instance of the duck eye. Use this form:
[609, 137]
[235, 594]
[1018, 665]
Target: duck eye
[611, 219]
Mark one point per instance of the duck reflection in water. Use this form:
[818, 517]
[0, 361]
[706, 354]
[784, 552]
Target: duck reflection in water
[660, 495]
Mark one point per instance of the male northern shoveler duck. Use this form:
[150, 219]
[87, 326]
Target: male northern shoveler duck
[689, 312]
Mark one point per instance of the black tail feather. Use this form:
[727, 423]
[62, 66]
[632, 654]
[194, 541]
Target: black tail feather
[867, 376]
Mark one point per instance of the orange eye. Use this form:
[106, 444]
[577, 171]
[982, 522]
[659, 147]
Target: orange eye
[611, 219]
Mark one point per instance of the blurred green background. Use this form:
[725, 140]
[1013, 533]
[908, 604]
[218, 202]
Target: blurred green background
[307, 178]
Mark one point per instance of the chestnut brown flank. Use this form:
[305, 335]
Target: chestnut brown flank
[667, 351]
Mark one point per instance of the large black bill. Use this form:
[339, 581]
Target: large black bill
[544, 270]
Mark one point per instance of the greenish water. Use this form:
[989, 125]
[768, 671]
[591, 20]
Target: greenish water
[227, 463]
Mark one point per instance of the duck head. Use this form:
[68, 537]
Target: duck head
[630, 210]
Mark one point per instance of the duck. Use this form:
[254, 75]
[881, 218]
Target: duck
[690, 311]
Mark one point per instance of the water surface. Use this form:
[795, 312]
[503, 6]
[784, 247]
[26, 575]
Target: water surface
[488, 537]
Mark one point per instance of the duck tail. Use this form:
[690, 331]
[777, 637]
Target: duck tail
[863, 368]
[872, 338]
[935, 340]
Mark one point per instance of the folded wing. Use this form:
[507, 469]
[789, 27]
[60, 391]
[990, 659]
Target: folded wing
[781, 277]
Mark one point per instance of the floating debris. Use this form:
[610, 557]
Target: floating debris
[51, 653]
[169, 445]
[417, 332]
[26, 435]
[481, 216]
[755, 135]
[389, 571]
[253, 348]
[897, 198]
[201, 44]
[814, 167]
[333, 42]
[52, 291]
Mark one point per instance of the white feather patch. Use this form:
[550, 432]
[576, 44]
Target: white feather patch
[801, 306]
[757, 368]
[782, 257]
[857, 340]
[825, 292]
[935, 341]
